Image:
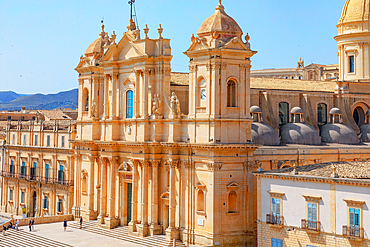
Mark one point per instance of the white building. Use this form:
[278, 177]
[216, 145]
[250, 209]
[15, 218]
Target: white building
[315, 205]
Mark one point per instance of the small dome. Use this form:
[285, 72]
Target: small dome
[338, 133]
[296, 110]
[255, 109]
[263, 134]
[220, 22]
[355, 11]
[95, 47]
[335, 111]
[365, 132]
[368, 112]
[299, 133]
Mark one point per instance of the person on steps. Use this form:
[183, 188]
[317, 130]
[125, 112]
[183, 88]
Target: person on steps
[65, 224]
[80, 222]
[30, 224]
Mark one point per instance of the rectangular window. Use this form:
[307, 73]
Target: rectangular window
[275, 211]
[129, 104]
[23, 169]
[351, 64]
[46, 202]
[354, 217]
[46, 172]
[60, 205]
[62, 141]
[48, 141]
[13, 140]
[312, 216]
[11, 167]
[61, 174]
[24, 140]
[33, 171]
[22, 197]
[35, 140]
[276, 242]
[11, 195]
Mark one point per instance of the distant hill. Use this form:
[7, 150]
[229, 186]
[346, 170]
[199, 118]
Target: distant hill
[7, 96]
[67, 99]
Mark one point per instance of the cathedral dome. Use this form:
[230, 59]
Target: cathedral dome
[221, 23]
[95, 47]
[355, 11]
[263, 134]
[299, 133]
[338, 133]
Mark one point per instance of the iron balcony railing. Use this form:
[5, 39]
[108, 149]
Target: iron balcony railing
[310, 225]
[353, 231]
[274, 219]
[33, 177]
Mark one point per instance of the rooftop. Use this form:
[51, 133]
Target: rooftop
[350, 169]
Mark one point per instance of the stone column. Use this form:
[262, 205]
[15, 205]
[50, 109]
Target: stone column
[91, 188]
[171, 231]
[137, 93]
[143, 227]
[112, 222]
[154, 228]
[106, 95]
[133, 222]
[80, 99]
[103, 191]
[145, 94]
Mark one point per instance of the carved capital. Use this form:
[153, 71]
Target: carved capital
[155, 163]
[167, 71]
[147, 72]
[214, 166]
[193, 68]
[188, 165]
[209, 66]
[136, 163]
[93, 158]
[146, 163]
[174, 163]
[137, 72]
[116, 75]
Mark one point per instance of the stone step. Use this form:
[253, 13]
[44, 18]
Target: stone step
[121, 232]
[25, 239]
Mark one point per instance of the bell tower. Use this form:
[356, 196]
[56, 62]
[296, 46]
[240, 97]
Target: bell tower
[219, 80]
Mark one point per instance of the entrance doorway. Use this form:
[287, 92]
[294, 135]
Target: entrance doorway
[34, 204]
[129, 201]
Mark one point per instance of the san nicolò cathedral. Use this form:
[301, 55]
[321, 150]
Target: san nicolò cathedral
[162, 163]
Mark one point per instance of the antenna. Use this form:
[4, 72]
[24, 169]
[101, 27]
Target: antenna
[133, 11]
[131, 2]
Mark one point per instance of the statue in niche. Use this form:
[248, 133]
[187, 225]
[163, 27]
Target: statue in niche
[93, 110]
[175, 104]
[156, 105]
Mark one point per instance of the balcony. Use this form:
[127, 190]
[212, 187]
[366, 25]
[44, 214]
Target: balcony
[33, 177]
[275, 220]
[312, 225]
[353, 231]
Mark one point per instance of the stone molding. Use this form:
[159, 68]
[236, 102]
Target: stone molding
[216, 166]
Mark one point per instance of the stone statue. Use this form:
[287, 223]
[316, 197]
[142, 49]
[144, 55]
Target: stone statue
[175, 104]
[93, 110]
[156, 105]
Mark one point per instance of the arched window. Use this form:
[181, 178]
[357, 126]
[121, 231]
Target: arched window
[85, 100]
[359, 115]
[231, 94]
[202, 93]
[129, 104]
[283, 113]
[322, 114]
[232, 199]
[200, 201]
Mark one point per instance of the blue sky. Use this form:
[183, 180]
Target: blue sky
[41, 40]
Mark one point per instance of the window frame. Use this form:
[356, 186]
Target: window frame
[355, 204]
[48, 141]
[129, 104]
[314, 200]
[351, 64]
[232, 93]
[275, 195]
[35, 141]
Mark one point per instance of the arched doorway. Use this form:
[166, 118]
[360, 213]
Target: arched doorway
[359, 116]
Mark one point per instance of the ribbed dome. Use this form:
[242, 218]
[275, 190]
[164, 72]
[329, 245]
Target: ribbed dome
[338, 133]
[220, 22]
[263, 134]
[355, 10]
[299, 133]
[95, 47]
[365, 132]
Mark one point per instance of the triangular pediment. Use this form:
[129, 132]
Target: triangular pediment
[198, 44]
[125, 49]
[312, 66]
[236, 44]
[233, 185]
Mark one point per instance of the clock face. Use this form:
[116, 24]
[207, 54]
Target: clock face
[203, 94]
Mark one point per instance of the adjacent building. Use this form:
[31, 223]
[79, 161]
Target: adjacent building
[314, 205]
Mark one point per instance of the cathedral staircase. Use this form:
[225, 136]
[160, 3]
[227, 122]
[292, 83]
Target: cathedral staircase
[25, 239]
[121, 233]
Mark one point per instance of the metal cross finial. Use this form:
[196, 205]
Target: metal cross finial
[131, 2]
[220, 1]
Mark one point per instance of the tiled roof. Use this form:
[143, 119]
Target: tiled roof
[350, 169]
[54, 115]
